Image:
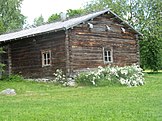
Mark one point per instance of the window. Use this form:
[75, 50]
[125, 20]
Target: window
[107, 55]
[46, 58]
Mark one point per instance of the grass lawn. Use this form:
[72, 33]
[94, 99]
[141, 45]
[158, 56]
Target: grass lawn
[47, 102]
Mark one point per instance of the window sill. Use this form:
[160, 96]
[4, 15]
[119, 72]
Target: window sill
[108, 62]
[46, 65]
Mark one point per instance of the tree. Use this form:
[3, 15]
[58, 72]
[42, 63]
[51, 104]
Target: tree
[70, 13]
[10, 15]
[76, 12]
[144, 15]
[150, 56]
[152, 42]
[54, 17]
[39, 21]
[118, 6]
[10, 18]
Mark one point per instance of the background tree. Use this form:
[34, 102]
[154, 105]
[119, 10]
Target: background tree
[74, 12]
[10, 15]
[70, 13]
[39, 21]
[152, 42]
[54, 17]
[10, 18]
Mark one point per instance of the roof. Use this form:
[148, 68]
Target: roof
[57, 26]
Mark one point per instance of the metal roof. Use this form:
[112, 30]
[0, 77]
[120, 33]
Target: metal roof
[62, 25]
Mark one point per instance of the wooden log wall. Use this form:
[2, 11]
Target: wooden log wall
[86, 45]
[26, 55]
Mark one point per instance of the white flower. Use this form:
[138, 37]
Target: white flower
[122, 81]
[93, 82]
[124, 71]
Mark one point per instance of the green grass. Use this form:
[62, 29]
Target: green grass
[47, 102]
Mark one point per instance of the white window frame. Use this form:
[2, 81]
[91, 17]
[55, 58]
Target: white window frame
[108, 55]
[46, 61]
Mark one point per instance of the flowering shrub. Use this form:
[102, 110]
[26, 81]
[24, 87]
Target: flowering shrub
[89, 78]
[59, 77]
[128, 75]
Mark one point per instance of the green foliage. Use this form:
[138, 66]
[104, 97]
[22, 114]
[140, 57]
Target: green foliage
[10, 15]
[151, 54]
[70, 13]
[152, 40]
[13, 78]
[39, 21]
[161, 57]
[54, 17]
[85, 79]
[121, 7]
[2, 28]
[128, 75]
[59, 77]
[73, 13]
[1, 50]
[90, 79]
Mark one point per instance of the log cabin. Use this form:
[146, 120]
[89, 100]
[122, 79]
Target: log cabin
[96, 39]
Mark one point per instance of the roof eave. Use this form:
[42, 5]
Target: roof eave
[33, 35]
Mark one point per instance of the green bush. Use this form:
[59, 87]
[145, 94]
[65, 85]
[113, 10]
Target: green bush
[128, 75]
[59, 78]
[85, 79]
[16, 78]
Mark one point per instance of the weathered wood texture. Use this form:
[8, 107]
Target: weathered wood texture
[26, 55]
[86, 45]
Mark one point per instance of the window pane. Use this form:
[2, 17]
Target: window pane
[48, 61]
[106, 59]
[109, 53]
[44, 62]
[48, 55]
[105, 53]
[109, 59]
[44, 54]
